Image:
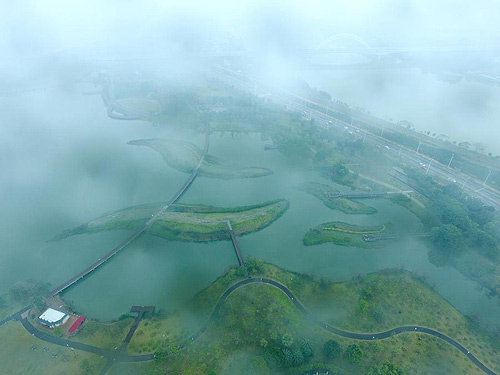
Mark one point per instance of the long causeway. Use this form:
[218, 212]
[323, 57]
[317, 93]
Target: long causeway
[139, 232]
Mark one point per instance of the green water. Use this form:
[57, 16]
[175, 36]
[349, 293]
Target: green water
[65, 164]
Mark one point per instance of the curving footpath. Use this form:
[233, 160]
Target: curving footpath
[340, 332]
[122, 357]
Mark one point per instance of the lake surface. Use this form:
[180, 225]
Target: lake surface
[64, 162]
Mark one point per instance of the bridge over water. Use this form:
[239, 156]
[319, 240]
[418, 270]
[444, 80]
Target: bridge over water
[241, 261]
[139, 232]
[367, 195]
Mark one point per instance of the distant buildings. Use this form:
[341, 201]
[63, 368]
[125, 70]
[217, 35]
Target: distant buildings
[53, 318]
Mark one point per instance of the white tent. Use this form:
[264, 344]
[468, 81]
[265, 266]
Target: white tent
[53, 318]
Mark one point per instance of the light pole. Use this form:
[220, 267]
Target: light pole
[399, 153]
[382, 133]
[418, 148]
[452, 156]
[467, 179]
[428, 167]
[484, 183]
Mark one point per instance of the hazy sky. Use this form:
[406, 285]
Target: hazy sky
[36, 35]
[43, 26]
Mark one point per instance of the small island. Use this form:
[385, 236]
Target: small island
[330, 198]
[187, 222]
[184, 156]
[345, 234]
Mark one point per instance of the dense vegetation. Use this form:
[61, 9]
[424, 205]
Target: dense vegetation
[459, 225]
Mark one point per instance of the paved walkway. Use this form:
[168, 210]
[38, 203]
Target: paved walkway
[113, 356]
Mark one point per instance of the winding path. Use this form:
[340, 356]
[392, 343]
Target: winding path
[122, 357]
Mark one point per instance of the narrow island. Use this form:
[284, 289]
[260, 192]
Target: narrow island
[187, 222]
[184, 156]
[330, 198]
[345, 234]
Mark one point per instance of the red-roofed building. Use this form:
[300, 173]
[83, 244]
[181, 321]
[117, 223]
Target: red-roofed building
[76, 324]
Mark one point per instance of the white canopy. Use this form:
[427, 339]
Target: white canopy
[52, 316]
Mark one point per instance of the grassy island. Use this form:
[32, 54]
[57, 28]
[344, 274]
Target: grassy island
[329, 196]
[187, 222]
[348, 234]
[258, 327]
[184, 156]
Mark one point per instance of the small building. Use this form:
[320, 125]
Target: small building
[53, 318]
[76, 325]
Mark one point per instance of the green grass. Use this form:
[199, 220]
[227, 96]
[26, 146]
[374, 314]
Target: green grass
[255, 312]
[345, 234]
[17, 357]
[188, 222]
[326, 194]
[104, 335]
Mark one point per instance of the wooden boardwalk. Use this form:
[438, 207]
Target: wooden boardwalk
[366, 195]
[241, 261]
[139, 232]
[140, 310]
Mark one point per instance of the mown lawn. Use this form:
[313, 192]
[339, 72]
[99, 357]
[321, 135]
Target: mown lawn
[23, 354]
[255, 312]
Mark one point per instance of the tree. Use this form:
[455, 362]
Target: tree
[258, 365]
[448, 238]
[297, 357]
[307, 350]
[353, 354]
[58, 331]
[386, 368]
[287, 357]
[173, 349]
[287, 340]
[332, 349]
[263, 343]
[158, 355]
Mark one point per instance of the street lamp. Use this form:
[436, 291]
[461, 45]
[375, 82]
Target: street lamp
[452, 156]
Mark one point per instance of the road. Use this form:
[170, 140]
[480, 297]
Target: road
[487, 194]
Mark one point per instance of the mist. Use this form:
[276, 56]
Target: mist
[341, 154]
